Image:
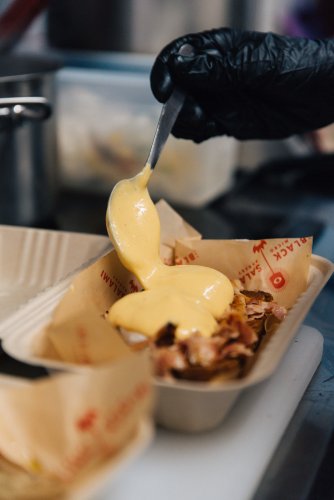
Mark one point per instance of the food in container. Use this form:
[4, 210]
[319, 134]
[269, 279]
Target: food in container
[200, 405]
[194, 321]
[138, 289]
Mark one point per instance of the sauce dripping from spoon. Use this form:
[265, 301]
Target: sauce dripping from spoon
[191, 297]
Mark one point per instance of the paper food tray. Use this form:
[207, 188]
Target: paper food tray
[33, 259]
[200, 405]
[97, 480]
[100, 477]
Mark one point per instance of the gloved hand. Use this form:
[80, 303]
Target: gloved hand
[249, 85]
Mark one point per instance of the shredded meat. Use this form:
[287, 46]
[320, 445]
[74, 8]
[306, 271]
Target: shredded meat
[238, 337]
[167, 359]
[278, 311]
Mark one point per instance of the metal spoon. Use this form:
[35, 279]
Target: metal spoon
[168, 115]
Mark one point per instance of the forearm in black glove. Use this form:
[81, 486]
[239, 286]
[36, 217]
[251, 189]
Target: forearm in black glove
[249, 85]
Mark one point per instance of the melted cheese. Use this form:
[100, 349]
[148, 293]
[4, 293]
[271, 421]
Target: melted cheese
[190, 297]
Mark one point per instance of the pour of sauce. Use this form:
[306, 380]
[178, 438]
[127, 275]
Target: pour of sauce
[190, 297]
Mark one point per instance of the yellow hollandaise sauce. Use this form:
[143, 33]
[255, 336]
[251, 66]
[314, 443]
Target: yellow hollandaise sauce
[190, 297]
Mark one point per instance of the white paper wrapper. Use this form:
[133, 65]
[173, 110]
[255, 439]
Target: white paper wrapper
[65, 424]
[278, 265]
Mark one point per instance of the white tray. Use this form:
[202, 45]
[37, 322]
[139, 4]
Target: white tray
[34, 259]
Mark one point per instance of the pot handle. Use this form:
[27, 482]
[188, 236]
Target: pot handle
[16, 110]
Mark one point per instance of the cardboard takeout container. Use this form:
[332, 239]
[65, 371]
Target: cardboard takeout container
[186, 406]
[33, 259]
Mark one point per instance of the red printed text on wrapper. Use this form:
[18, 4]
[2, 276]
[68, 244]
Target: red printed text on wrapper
[98, 428]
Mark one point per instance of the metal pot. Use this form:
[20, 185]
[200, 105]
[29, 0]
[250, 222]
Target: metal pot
[28, 149]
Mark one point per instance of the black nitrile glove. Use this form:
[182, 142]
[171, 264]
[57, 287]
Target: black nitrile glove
[248, 85]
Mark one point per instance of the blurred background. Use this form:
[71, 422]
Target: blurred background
[77, 114]
[91, 60]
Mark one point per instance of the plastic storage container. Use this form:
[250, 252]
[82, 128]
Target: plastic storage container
[107, 119]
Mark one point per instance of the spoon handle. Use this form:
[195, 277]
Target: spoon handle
[168, 116]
